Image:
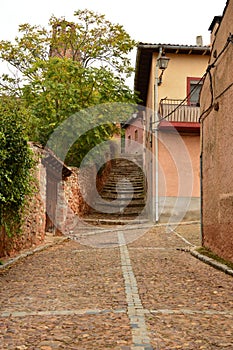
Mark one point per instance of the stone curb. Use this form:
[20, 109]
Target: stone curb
[217, 265]
[182, 223]
[40, 248]
[117, 221]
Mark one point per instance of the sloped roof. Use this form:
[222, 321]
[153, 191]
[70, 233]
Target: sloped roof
[216, 19]
[53, 164]
[144, 59]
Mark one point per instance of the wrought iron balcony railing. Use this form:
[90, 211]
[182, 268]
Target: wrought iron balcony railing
[178, 113]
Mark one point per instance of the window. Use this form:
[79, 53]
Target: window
[136, 135]
[129, 140]
[193, 90]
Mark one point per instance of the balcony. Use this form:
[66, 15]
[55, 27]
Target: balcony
[183, 117]
[184, 114]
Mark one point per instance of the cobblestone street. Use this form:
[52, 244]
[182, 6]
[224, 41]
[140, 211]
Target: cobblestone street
[149, 294]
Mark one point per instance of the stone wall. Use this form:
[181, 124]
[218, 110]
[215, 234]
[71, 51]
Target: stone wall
[33, 228]
[76, 195]
[217, 138]
[71, 204]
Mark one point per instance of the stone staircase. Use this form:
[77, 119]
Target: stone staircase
[123, 195]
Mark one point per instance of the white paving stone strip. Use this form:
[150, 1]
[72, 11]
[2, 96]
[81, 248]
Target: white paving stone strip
[178, 235]
[82, 312]
[93, 230]
[136, 311]
[153, 248]
[190, 312]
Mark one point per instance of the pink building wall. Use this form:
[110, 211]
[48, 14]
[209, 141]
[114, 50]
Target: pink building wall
[134, 136]
[179, 168]
[176, 165]
[179, 176]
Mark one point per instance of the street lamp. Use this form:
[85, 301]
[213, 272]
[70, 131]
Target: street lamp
[161, 63]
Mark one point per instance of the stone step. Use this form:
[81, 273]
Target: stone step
[124, 211]
[128, 168]
[124, 177]
[135, 177]
[113, 196]
[123, 189]
[123, 181]
[120, 203]
[122, 194]
[124, 157]
[115, 221]
[125, 185]
[109, 196]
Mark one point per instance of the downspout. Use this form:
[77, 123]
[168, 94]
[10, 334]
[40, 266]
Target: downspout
[201, 183]
[155, 131]
[144, 160]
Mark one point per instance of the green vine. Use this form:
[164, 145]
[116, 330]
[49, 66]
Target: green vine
[16, 162]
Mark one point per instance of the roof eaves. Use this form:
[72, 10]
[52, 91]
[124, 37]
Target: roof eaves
[174, 48]
[216, 19]
[144, 58]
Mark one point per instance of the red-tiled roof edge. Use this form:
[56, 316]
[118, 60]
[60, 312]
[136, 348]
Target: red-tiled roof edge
[169, 44]
[175, 47]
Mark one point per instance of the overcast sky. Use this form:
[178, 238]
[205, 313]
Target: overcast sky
[148, 21]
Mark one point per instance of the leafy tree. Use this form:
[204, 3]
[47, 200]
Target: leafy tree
[64, 69]
[92, 39]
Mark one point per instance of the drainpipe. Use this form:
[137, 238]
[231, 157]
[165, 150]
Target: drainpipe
[155, 170]
[201, 183]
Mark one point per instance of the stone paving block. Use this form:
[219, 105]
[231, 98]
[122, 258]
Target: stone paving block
[191, 332]
[58, 279]
[147, 295]
[177, 280]
[66, 332]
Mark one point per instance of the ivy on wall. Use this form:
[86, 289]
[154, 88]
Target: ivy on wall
[16, 161]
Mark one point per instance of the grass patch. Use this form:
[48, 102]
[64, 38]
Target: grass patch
[210, 254]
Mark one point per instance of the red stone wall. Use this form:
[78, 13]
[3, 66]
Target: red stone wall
[217, 140]
[33, 228]
[71, 202]
[70, 205]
